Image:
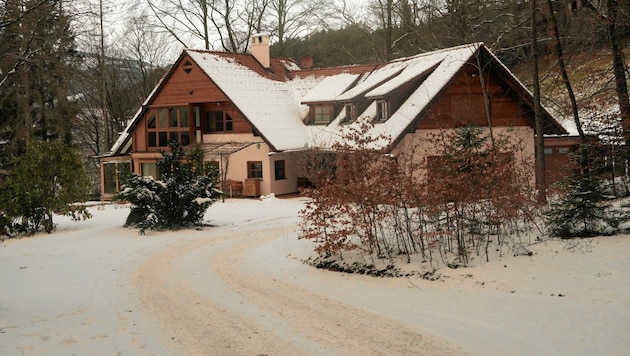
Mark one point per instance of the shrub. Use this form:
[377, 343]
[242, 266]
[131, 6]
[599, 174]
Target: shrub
[179, 200]
[473, 192]
[49, 178]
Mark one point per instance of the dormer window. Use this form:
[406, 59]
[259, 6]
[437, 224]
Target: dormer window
[351, 113]
[321, 114]
[382, 111]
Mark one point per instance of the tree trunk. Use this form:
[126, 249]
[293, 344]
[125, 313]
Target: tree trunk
[621, 85]
[540, 139]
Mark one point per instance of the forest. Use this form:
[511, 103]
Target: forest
[75, 72]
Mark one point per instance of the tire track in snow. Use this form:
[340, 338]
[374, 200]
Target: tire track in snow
[195, 324]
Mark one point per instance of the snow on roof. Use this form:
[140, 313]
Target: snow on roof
[371, 80]
[450, 62]
[274, 104]
[413, 70]
[269, 105]
[330, 88]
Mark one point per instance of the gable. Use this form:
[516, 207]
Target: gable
[463, 103]
[187, 83]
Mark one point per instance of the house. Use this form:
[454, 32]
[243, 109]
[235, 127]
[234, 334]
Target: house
[252, 113]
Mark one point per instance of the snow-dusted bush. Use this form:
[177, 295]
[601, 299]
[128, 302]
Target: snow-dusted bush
[179, 200]
[48, 179]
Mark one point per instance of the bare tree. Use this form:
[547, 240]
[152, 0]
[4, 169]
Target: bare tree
[539, 130]
[619, 66]
[293, 18]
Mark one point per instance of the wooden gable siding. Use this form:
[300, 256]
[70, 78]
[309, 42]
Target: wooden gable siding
[188, 85]
[191, 87]
[462, 104]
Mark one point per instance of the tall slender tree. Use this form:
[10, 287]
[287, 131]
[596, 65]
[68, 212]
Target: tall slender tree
[540, 153]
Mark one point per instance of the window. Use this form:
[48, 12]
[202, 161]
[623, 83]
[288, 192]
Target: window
[351, 113]
[218, 121]
[113, 174]
[563, 150]
[321, 114]
[254, 169]
[382, 112]
[109, 177]
[167, 124]
[548, 151]
[150, 170]
[278, 169]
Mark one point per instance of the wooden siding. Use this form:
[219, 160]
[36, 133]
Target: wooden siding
[462, 104]
[183, 88]
[187, 85]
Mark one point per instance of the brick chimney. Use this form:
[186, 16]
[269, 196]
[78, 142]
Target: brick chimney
[260, 48]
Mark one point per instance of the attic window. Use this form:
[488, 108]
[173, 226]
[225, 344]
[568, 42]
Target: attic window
[382, 111]
[321, 114]
[187, 67]
[351, 113]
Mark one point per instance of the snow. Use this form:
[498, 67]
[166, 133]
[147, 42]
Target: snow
[276, 107]
[330, 88]
[270, 105]
[239, 287]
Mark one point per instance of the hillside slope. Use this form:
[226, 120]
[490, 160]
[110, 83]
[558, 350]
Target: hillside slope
[593, 83]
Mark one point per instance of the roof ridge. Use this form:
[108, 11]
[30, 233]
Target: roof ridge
[475, 45]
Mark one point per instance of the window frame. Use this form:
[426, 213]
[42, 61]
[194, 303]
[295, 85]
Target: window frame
[350, 111]
[324, 116]
[165, 123]
[254, 169]
[211, 122]
[279, 169]
[382, 110]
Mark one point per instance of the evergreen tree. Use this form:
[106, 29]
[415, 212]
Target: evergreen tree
[48, 178]
[179, 200]
[585, 209]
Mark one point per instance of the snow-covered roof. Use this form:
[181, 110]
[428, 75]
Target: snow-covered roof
[330, 88]
[275, 104]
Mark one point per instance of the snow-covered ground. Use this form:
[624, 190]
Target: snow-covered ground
[240, 288]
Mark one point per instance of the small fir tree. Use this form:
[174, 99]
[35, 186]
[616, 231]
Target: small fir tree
[585, 209]
[48, 178]
[179, 200]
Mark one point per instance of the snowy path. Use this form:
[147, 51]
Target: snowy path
[211, 296]
[239, 288]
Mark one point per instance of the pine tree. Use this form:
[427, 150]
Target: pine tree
[585, 209]
[179, 200]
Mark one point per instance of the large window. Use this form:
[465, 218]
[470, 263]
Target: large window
[254, 169]
[113, 175]
[218, 121]
[279, 170]
[168, 124]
